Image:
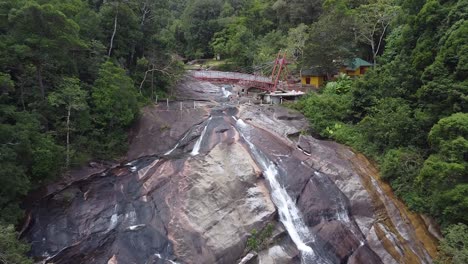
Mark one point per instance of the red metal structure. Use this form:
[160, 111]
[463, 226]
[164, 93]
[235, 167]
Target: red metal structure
[280, 71]
[248, 80]
[270, 84]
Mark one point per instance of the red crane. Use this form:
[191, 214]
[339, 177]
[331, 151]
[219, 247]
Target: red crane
[280, 70]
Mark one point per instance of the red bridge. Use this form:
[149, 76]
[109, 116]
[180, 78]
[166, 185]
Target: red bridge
[270, 84]
[248, 80]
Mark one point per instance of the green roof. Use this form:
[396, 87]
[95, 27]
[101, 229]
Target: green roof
[356, 63]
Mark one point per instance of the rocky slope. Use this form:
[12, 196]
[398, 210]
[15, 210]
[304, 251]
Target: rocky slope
[197, 182]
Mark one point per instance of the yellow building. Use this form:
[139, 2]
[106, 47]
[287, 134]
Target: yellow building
[316, 76]
[313, 77]
[355, 67]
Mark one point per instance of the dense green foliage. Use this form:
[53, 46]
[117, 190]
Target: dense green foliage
[455, 245]
[409, 113]
[11, 250]
[246, 32]
[73, 75]
[259, 240]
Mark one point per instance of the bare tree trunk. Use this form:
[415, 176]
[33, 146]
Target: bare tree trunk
[374, 53]
[22, 96]
[152, 83]
[113, 33]
[39, 79]
[145, 11]
[380, 41]
[68, 137]
[143, 81]
[132, 54]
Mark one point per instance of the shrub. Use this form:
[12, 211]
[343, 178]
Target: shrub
[454, 247]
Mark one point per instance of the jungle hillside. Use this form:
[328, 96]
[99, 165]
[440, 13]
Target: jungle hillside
[74, 75]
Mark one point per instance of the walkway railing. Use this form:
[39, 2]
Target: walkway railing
[250, 80]
[230, 76]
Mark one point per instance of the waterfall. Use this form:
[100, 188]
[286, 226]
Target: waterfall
[114, 220]
[225, 92]
[342, 212]
[289, 213]
[177, 145]
[196, 148]
[168, 260]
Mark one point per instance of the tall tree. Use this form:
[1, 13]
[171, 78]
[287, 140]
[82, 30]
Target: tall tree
[294, 12]
[71, 98]
[330, 42]
[42, 36]
[200, 22]
[114, 107]
[297, 40]
[121, 29]
[372, 21]
[236, 42]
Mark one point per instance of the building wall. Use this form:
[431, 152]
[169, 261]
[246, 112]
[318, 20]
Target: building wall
[364, 70]
[357, 72]
[315, 81]
[353, 73]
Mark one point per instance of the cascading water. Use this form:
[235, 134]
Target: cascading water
[199, 209]
[226, 93]
[196, 147]
[288, 211]
[177, 145]
[164, 259]
[341, 211]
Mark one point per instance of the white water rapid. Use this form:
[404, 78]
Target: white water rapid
[225, 92]
[196, 148]
[288, 211]
[177, 145]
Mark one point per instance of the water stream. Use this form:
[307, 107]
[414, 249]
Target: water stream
[196, 147]
[287, 209]
[225, 92]
[167, 207]
[177, 145]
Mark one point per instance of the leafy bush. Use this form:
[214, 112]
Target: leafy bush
[259, 240]
[443, 177]
[388, 124]
[324, 110]
[401, 167]
[454, 247]
[115, 108]
[12, 250]
[341, 85]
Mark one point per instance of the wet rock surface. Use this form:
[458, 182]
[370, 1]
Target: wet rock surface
[198, 181]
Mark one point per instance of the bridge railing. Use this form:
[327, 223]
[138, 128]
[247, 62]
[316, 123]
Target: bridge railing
[230, 75]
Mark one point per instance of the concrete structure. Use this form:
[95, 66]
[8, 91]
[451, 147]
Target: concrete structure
[278, 98]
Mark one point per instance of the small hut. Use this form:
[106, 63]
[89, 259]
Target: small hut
[355, 67]
[314, 77]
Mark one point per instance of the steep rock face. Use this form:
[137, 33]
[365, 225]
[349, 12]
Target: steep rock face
[345, 187]
[198, 182]
[175, 207]
[224, 202]
[159, 129]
